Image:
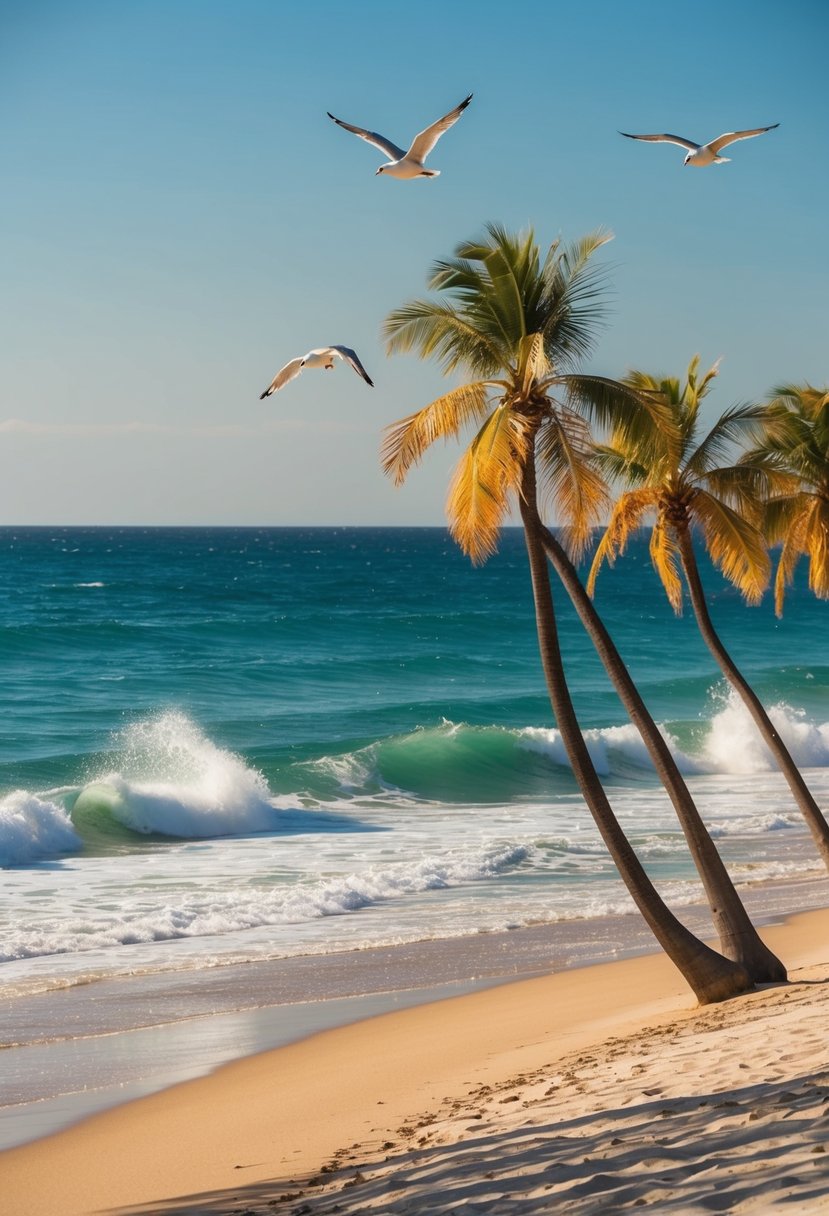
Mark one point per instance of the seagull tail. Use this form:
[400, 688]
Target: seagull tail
[723, 160]
[430, 173]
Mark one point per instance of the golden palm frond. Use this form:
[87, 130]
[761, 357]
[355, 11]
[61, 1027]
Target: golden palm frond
[736, 547]
[625, 518]
[807, 535]
[792, 550]
[817, 540]
[405, 442]
[487, 473]
[664, 553]
[571, 483]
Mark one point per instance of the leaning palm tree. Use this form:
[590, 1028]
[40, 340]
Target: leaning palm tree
[795, 440]
[679, 481]
[518, 324]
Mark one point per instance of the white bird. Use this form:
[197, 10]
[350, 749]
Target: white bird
[704, 154]
[324, 356]
[408, 164]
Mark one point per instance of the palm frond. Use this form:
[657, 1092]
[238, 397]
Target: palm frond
[487, 473]
[617, 465]
[735, 545]
[664, 552]
[732, 429]
[532, 363]
[807, 535]
[436, 329]
[625, 518]
[747, 485]
[571, 307]
[405, 442]
[568, 477]
[793, 548]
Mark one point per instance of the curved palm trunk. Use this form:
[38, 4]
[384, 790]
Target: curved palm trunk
[712, 977]
[739, 940]
[803, 797]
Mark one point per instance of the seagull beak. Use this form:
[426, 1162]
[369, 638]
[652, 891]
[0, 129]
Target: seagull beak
[379, 171]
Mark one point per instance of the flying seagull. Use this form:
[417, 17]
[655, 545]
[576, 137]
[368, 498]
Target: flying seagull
[323, 357]
[408, 164]
[704, 154]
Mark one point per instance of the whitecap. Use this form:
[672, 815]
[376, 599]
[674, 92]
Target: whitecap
[174, 781]
[34, 829]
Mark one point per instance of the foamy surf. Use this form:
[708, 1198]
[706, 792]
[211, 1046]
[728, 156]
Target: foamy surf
[33, 829]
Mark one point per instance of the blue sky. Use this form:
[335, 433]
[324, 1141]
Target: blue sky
[179, 218]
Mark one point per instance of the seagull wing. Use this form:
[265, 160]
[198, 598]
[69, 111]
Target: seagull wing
[665, 139]
[722, 141]
[371, 137]
[423, 143]
[350, 356]
[289, 372]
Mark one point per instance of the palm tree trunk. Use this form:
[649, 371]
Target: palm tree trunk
[739, 940]
[808, 807]
[711, 976]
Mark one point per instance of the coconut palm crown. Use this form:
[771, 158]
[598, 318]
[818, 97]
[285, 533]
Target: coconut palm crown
[796, 441]
[518, 324]
[677, 478]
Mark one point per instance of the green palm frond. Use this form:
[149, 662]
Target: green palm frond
[747, 485]
[571, 305]
[406, 441]
[732, 429]
[430, 329]
[619, 466]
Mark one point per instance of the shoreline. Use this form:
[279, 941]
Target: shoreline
[282, 1115]
[78, 1051]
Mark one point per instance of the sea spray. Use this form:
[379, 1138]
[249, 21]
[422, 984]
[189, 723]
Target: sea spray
[173, 781]
[734, 744]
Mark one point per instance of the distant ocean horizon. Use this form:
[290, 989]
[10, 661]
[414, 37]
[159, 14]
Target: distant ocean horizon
[229, 744]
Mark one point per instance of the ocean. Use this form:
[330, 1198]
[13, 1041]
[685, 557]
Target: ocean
[231, 746]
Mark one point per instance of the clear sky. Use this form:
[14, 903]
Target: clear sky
[178, 218]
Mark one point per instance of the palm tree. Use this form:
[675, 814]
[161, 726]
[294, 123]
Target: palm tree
[685, 487]
[739, 939]
[518, 324]
[795, 440]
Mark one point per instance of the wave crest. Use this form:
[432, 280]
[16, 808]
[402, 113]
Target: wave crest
[173, 781]
[32, 829]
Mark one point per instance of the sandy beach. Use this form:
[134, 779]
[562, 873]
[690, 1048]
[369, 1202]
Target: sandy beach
[596, 1090]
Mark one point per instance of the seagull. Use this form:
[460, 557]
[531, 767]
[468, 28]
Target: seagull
[409, 164]
[324, 356]
[704, 154]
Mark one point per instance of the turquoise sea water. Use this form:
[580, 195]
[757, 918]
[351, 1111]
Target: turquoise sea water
[231, 744]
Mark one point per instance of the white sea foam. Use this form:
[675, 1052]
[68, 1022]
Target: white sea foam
[244, 907]
[734, 744]
[32, 829]
[614, 750]
[173, 780]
